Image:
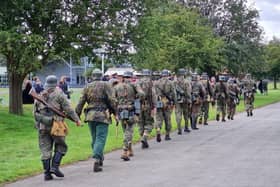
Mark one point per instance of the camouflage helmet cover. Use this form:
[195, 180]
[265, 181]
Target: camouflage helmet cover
[204, 76]
[128, 74]
[146, 72]
[182, 71]
[96, 73]
[51, 81]
[165, 73]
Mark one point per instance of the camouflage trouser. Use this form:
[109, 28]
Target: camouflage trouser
[182, 109]
[145, 122]
[195, 112]
[231, 107]
[204, 112]
[47, 141]
[127, 127]
[249, 103]
[163, 115]
[221, 107]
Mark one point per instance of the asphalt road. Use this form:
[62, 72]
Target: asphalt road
[240, 153]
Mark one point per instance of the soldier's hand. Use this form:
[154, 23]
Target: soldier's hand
[78, 123]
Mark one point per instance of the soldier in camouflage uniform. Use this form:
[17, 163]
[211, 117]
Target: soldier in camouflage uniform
[249, 91]
[148, 104]
[233, 99]
[126, 93]
[166, 97]
[204, 113]
[44, 120]
[198, 93]
[100, 104]
[183, 90]
[221, 95]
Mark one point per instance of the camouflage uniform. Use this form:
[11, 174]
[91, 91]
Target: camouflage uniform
[166, 96]
[148, 104]
[183, 90]
[44, 120]
[204, 113]
[198, 93]
[249, 91]
[100, 103]
[221, 95]
[233, 99]
[126, 93]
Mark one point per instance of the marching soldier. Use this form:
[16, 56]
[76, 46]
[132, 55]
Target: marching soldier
[249, 91]
[198, 93]
[166, 97]
[233, 99]
[46, 122]
[206, 100]
[183, 91]
[221, 95]
[148, 104]
[126, 93]
[100, 104]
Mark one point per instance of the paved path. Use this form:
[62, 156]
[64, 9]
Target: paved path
[240, 153]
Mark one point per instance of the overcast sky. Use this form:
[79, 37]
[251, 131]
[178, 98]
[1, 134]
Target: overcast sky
[269, 17]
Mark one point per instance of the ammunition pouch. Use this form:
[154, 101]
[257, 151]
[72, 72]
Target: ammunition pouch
[180, 95]
[126, 112]
[59, 128]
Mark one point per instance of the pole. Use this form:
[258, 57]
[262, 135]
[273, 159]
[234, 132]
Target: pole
[71, 73]
[102, 63]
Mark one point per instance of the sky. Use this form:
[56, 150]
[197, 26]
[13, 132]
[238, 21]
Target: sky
[269, 17]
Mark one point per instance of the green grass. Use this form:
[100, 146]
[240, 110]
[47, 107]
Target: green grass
[19, 152]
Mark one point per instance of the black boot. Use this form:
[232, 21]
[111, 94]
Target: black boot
[248, 114]
[180, 131]
[158, 137]
[101, 161]
[194, 123]
[145, 144]
[186, 129]
[218, 117]
[97, 166]
[251, 113]
[167, 137]
[47, 167]
[57, 157]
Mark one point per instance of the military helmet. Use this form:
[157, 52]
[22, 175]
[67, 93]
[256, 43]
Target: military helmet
[164, 73]
[96, 73]
[195, 77]
[204, 76]
[248, 76]
[181, 71]
[156, 73]
[128, 74]
[51, 81]
[146, 72]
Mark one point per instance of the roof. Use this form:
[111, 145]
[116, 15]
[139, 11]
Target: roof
[118, 71]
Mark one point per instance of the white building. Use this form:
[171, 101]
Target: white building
[3, 77]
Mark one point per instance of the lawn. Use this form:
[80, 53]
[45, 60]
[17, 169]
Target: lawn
[19, 153]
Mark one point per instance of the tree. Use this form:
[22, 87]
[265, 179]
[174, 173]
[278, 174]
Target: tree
[55, 28]
[171, 36]
[273, 59]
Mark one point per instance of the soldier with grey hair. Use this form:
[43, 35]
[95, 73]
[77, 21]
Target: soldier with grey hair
[100, 105]
[45, 119]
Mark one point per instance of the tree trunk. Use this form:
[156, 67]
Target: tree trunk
[15, 96]
[275, 82]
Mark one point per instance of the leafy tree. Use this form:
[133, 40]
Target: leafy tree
[174, 37]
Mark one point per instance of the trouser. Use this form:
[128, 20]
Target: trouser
[204, 113]
[249, 103]
[145, 122]
[194, 115]
[221, 107]
[182, 109]
[164, 115]
[47, 142]
[99, 132]
[231, 107]
[127, 126]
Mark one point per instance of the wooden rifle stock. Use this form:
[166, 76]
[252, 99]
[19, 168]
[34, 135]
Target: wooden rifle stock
[51, 107]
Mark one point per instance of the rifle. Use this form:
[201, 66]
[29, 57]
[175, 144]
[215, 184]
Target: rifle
[51, 107]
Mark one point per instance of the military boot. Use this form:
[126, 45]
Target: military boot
[130, 151]
[47, 167]
[124, 155]
[251, 113]
[56, 160]
[180, 131]
[167, 137]
[158, 136]
[186, 129]
[223, 119]
[144, 142]
[97, 166]
[194, 123]
[218, 117]
[248, 113]
[205, 122]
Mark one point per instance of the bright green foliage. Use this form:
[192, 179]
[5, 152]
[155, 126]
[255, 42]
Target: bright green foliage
[173, 37]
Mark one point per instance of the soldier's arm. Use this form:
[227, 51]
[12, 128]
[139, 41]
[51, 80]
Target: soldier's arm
[81, 103]
[140, 93]
[173, 92]
[66, 107]
[110, 93]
